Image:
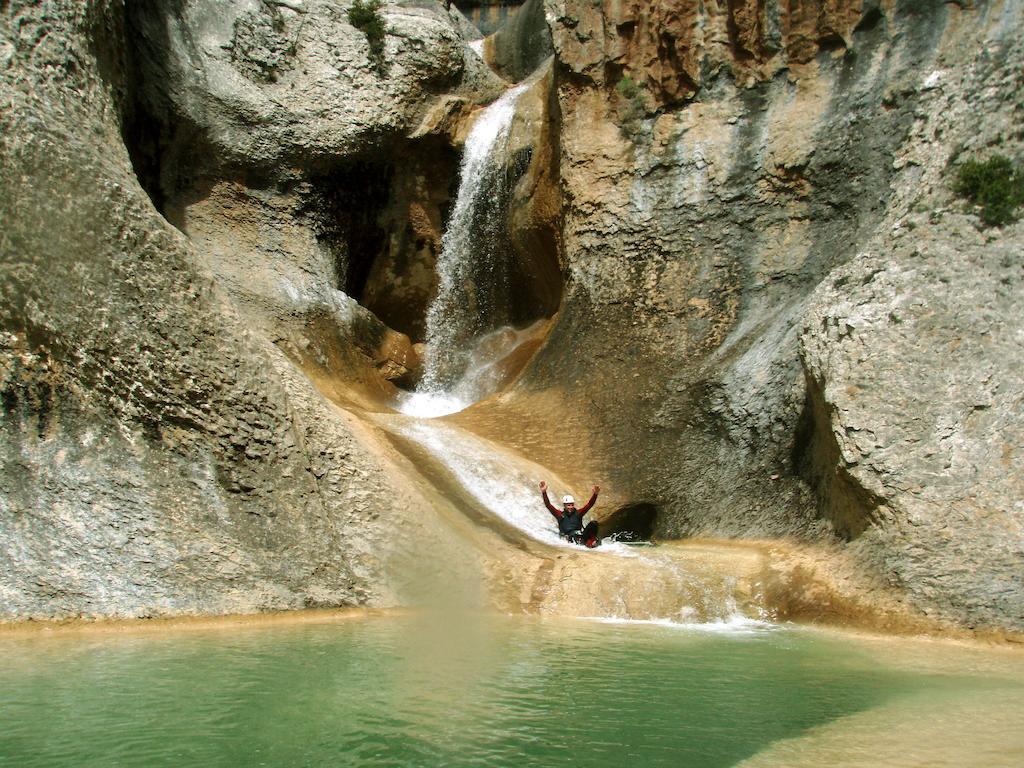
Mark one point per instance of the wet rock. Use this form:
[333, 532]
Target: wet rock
[519, 47]
[400, 277]
[398, 359]
[695, 233]
[535, 212]
[161, 452]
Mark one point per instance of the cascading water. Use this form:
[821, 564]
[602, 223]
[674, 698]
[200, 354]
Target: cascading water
[616, 581]
[471, 304]
[499, 480]
[469, 342]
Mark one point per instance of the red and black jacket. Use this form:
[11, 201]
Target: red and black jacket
[569, 521]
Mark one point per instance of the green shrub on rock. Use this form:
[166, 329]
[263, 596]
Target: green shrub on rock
[628, 88]
[366, 17]
[633, 107]
[997, 185]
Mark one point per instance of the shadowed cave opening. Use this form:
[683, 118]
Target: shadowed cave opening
[385, 222]
[631, 523]
[816, 457]
[379, 217]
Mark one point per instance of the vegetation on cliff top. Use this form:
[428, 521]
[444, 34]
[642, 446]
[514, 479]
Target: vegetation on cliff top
[997, 185]
[366, 17]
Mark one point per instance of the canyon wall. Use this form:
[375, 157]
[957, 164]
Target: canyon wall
[778, 319]
[775, 320]
[162, 450]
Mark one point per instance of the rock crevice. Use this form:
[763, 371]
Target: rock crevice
[769, 315]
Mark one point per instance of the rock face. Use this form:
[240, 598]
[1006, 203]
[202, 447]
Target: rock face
[270, 86]
[674, 49]
[697, 365]
[913, 352]
[774, 318]
[523, 44]
[286, 105]
[160, 454]
[915, 404]
[757, 152]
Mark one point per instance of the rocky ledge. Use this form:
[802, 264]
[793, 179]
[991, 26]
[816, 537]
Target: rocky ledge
[774, 320]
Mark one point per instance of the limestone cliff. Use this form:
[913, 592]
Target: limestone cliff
[719, 161]
[676, 48]
[220, 229]
[161, 452]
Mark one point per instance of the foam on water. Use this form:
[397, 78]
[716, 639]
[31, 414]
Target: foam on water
[734, 624]
[429, 405]
[483, 375]
[503, 483]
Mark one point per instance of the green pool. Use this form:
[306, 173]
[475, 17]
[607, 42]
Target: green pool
[463, 690]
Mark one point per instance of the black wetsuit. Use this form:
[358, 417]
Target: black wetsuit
[570, 522]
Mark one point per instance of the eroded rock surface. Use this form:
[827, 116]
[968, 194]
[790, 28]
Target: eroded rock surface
[675, 49]
[160, 454]
[271, 87]
[775, 320]
[523, 44]
[758, 148]
[915, 401]
[913, 354]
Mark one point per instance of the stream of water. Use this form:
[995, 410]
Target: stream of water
[492, 691]
[466, 346]
[472, 270]
[501, 482]
[467, 331]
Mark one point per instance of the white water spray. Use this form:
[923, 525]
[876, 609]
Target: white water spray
[484, 373]
[473, 270]
[646, 585]
[502, 482]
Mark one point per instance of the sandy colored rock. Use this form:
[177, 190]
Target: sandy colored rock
[161, 456]
[754, 254]
[672, 50]
[696, 239]
[397, 358]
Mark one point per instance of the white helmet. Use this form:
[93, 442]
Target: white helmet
[568, 499]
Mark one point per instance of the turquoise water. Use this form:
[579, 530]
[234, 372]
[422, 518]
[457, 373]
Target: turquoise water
[462, 691]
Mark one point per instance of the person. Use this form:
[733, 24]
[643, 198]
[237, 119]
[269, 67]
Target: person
[570, 519]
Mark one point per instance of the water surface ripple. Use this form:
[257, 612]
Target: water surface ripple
[460, 691]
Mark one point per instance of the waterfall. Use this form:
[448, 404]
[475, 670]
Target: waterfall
[473, 270]
[470, 348]
[620, 582]
[500, 480]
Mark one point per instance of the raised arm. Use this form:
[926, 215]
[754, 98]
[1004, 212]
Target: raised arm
[547, 502]
[586, 507]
